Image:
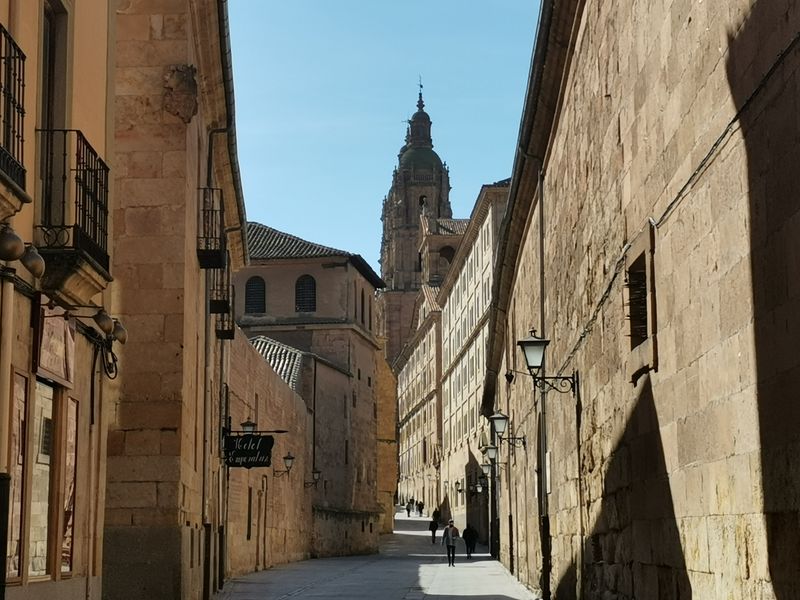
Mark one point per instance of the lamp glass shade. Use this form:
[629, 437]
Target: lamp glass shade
[491, 452]
[316, 474]
[487, 468]
[104, 322]
[33, 261]
[533, 348]
[288, 461]
[479, 488]
[248, 426]
[500, 422]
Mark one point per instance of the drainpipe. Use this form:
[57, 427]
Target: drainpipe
[544, 516]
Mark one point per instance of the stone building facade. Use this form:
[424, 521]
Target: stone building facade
[420, 186]
[56, 363]
[178, 521]
[465, 296]
[319, 302]
[419, 368]
[651, 235]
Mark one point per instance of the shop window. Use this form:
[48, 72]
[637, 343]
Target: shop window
[255, 296]
[44, 458]
[42, 476]
[70, 480]
[17, 472]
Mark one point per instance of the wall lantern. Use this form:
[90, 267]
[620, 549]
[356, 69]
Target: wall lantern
[490, 451]
[315, 475]
[486, 468]
[500, 423]
[288, 461]
[459, 487]
[248, 426]
[533, 348]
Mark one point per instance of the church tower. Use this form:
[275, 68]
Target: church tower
[420, 187]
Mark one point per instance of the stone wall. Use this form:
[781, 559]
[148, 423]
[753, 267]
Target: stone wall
[670, 476]
[386, 398]
[269, 518]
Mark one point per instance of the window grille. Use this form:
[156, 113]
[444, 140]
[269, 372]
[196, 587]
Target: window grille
[305, 294]
[255, 296]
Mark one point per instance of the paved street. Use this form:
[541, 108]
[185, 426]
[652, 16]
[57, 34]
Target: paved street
[408, 567]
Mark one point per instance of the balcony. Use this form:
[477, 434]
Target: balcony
[73, 231]
[219, 301]
[210, 235]
[226, 326]
[12, 116]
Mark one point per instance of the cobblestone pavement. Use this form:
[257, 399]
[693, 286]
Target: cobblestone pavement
[408, 567]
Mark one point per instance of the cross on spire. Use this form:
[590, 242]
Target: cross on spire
[420, 103]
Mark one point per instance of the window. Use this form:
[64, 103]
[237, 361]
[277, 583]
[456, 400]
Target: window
[640, 305]
[255, 296]
[362, 307]
[637, 301]
[305, 294]
[12, 82]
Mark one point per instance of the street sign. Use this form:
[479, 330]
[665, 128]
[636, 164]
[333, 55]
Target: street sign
[248, 450]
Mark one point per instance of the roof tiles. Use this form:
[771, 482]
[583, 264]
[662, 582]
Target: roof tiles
[284, 360]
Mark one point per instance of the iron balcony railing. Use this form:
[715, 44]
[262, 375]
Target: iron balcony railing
[74, 195]
[210, 234]
[12, 108]
[225, 327]
[219, 300]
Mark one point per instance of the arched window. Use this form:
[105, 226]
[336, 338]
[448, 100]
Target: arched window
[255, 296]
[305, 294]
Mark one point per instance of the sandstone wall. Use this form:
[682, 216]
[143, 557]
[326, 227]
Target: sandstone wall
[666, 483]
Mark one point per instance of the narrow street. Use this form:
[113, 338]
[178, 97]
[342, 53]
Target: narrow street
[408, 567]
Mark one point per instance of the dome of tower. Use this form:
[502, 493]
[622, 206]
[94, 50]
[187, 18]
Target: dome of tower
[420, 158]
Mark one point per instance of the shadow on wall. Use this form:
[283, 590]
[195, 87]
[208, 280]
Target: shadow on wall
[477, 502]
[764, 76]
[635, 547]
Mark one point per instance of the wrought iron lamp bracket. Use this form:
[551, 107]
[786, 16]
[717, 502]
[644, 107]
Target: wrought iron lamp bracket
[559, 384]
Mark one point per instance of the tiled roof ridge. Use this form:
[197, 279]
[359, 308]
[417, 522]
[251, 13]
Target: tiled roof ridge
[268, 242]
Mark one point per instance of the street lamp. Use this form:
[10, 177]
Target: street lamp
[288, 461]
[248, 426]
[490, 451]
[486, 468]
[533, 348]
[500, 422]
[315, 475]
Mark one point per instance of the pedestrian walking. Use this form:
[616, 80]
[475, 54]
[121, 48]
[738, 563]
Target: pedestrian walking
[420, 507]
[449, 537]
[436, 515]
[433, 526]
[409, 506]
[470, 539]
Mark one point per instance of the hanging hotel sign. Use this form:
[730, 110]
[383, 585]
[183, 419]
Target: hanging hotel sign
[248, 450]
[54, 352]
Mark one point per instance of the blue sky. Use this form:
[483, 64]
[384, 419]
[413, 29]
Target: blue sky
[323, 89]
